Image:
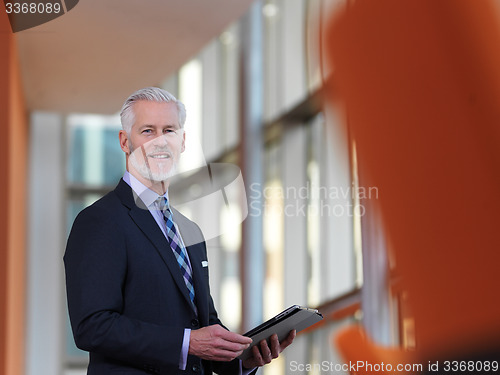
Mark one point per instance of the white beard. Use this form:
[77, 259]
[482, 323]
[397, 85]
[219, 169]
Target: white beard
[141, 166]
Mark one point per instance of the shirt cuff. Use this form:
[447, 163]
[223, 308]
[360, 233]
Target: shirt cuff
[185, 349]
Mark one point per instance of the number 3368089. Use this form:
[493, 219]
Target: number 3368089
[33, 8]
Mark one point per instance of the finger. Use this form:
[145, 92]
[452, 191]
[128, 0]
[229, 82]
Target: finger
[236, 338]
[289, 339]
[207, 343]
[225, 356]
[265, 351]
[257, 357]
[223, 344]
[275, 346]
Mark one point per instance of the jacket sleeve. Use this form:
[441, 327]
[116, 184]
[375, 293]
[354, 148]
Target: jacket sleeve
[96, 267]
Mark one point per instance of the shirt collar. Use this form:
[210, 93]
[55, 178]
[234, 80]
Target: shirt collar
[147, 195]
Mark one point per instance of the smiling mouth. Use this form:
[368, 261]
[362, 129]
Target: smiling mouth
[160, 156]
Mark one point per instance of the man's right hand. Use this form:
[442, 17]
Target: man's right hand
[215, 343]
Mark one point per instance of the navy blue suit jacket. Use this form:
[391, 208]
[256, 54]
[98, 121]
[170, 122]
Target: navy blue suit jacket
[127, 300]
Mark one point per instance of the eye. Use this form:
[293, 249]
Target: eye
[147, 131]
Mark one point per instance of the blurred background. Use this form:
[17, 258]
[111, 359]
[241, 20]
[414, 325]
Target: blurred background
[251, 74]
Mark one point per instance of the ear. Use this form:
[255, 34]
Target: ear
[183, 147]
[124, 142]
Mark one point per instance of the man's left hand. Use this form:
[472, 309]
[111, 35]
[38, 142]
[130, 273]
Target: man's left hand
[262, 354]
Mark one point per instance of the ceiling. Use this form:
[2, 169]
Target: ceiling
[93, 57]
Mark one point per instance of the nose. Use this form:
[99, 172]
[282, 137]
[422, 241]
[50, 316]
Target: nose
[160, 140]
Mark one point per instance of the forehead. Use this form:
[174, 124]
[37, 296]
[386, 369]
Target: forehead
[154, 113]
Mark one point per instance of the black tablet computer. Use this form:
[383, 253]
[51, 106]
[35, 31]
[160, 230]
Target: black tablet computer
[294, 318]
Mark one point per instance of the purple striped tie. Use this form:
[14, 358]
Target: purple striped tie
[177, 246]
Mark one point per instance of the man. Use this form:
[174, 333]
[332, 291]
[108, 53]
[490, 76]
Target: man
[137, 270]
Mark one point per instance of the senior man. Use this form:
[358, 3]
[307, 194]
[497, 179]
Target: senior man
[137, 270]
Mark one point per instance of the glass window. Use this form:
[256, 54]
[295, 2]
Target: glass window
[230, 284]
[190, 93]
[230, 87]
[272, 58]
[330, 214]
[285, 75]
[273, 231]
[94, 154]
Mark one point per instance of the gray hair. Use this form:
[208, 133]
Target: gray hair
[152, 94]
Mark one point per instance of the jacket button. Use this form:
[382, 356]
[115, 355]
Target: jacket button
[195, 323]
[196, 368]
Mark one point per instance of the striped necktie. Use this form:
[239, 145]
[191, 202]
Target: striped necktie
[177, 246]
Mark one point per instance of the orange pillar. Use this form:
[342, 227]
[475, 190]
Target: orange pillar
[422, 86]
[13, 171]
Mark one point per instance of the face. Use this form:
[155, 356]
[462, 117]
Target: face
[155, 142]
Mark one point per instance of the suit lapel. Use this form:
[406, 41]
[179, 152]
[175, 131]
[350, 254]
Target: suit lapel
[147, 224]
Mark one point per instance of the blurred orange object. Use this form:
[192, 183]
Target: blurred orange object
[421, 83]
